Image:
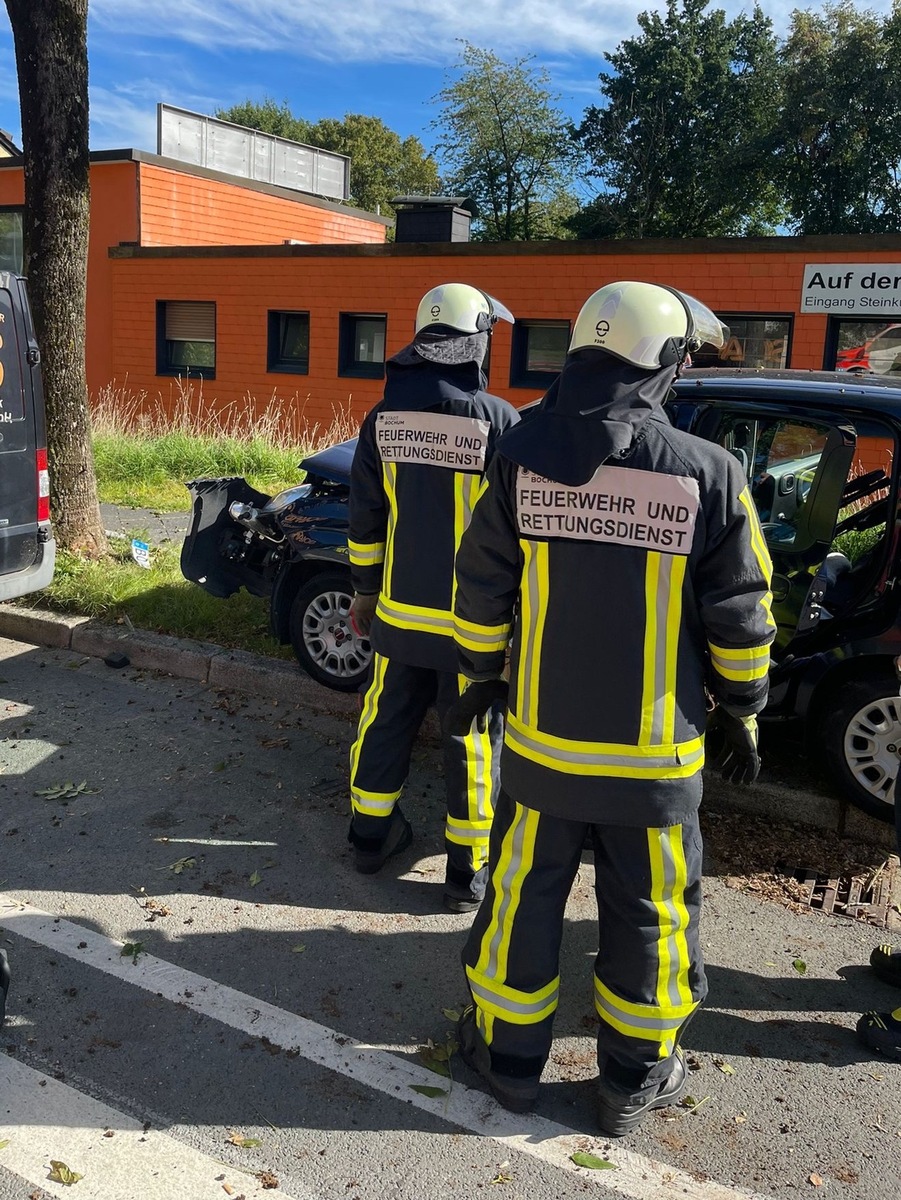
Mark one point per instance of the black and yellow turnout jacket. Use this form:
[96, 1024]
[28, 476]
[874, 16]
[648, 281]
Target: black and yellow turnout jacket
[417, 471]
[624, 592]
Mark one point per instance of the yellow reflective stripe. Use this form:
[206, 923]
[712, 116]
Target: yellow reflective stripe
[649, 680]
[373, 804]
[677, 851]
[483, 645]
[514, 863]
[510, 1004]
[410, 616]
[761, 553]
[671, 652]
[525, 624]
[366, 553]
[678, 760]
[389, 482]
[658, 899]
[666, 1017]
[370, 709]
[744, 664]
[488, 631]
[543, 593]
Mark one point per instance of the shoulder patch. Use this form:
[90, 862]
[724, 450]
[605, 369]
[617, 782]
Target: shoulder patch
[432, 440]
[619, 505]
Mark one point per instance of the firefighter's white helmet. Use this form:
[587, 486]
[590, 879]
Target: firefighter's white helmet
[460, 307]
[645, 324]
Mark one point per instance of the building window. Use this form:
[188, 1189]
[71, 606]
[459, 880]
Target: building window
[288, 347]
[753, 341]
[863, 346]
[361, 345]
[186, 338]
[539, 348]
[11, 253]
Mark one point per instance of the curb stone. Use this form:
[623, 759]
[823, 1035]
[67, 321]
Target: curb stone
[277, 679]
[203, 662]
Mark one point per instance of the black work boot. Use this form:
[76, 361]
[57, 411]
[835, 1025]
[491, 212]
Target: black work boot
[4, 984]
[371, 854]
[516, 1095]
[886, 962]
[463, 892]
[881, 1031]
[621, 1111]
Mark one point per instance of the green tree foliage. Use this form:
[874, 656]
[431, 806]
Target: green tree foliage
[683, 144]
[382, 164]
[504, 144]
[840, 129]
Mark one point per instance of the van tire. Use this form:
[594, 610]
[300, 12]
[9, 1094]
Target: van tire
[321, 634]
[860, 742]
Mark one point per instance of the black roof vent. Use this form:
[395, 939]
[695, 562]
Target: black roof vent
[432, 218]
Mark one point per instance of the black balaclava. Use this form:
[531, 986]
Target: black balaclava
[456, 358]
[592, 412]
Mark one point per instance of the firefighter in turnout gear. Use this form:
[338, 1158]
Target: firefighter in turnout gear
[625, 561]
[417, 471]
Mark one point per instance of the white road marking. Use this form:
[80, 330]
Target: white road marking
[637, 1177]
[43, 1119]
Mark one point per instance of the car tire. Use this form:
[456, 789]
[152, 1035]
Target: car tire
[321, 634]
[860, 741]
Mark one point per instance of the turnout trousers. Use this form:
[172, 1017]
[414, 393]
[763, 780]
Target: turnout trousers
[648, 974]
[395, 705]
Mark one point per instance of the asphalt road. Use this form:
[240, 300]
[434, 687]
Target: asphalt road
[277, 996]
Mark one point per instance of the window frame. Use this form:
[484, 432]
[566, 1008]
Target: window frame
[349, 366]
[833, 329]
[163, 364]
[275, 363]
[520, 376]
[726, 317]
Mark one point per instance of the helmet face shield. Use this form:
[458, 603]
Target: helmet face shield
[499, 311]
[706, 327]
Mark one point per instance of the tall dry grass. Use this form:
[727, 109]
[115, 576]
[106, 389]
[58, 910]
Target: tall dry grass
[147, 448]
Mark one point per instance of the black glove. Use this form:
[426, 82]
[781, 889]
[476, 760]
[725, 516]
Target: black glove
[362, 610]
[732, 746]
[473, 706]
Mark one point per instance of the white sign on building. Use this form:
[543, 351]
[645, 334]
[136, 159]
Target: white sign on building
[851, 288]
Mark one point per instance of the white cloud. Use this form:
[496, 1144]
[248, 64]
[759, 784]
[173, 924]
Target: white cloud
[118, 122]
[395, 30]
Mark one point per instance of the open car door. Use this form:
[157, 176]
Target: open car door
[797, 464]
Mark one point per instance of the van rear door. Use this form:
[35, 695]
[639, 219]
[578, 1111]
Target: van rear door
[27, 549]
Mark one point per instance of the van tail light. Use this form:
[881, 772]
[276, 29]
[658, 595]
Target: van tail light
[43, 486]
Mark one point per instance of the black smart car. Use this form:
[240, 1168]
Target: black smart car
[27, 548]
[821, 455]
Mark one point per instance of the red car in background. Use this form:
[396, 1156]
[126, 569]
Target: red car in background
[880, 354]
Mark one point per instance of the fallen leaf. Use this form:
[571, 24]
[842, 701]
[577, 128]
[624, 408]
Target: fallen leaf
[246, 1143]
[501, 1178]
[60, 1173]
[800, 966]
[267, 1179]
[3, 1145]
[67, 791]
[298, 949]
[132, 950]
[255, 878]
[723, 1066]
[739, 1118]
[180, 865]
[691, 1103]
[581, 1159]
[228, 1189]
[451, 1014]
[816, 1180]
[423, 1089]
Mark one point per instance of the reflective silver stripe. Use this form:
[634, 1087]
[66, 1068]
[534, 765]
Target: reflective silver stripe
[670, 878]
[517, 833]
[535, 1008]
[664, 586]
[471, 833]
[527, 653]
[489, 640]
[364, 801]
[759, 662]
[362, 558]
[678, 756]
[400, 616]
[664, 1025]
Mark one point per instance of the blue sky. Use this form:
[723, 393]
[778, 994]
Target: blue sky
[384, 57]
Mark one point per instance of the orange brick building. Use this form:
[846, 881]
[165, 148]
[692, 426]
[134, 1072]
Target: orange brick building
[198, 275]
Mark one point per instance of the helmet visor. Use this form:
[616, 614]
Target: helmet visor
[707, 328]
[498, 310]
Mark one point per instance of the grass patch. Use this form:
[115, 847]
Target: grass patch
[159, 599]
[145, 451]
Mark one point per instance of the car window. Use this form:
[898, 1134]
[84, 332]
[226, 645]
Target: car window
[779, 458]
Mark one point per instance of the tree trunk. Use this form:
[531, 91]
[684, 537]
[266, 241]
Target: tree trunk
[52, 60]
